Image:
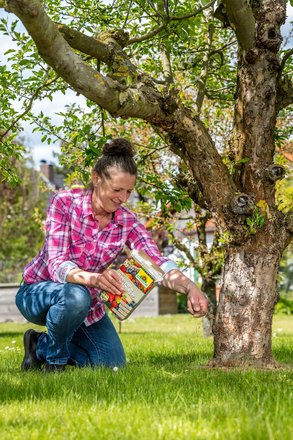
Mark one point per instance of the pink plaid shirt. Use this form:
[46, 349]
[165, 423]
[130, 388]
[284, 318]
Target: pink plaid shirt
[73, 239]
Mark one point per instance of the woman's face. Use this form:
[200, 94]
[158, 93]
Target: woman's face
[110, 193]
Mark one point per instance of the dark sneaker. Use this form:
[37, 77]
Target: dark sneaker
[54, 368]
[30, 360]
[72, 362]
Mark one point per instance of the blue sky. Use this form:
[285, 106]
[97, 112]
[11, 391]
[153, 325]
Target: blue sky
[33, 140]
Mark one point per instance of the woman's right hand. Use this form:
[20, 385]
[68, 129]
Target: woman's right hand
[110, 281]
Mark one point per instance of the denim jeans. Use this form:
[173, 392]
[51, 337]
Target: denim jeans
[62, 308]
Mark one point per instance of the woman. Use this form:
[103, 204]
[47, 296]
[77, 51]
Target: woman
[86, 229]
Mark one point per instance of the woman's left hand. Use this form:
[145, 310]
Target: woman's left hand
[197, 303]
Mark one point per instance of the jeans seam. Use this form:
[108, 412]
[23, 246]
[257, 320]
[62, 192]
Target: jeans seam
[83, 329]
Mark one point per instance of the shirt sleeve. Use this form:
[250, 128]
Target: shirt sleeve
[58, 239]
[139, 238]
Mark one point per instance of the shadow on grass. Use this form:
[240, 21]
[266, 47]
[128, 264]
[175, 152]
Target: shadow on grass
[180, 360]
[152, 382]
[11, 334]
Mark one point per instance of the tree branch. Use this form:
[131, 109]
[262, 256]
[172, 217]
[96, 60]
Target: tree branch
[193, 14]
[143, 101]
[204, 70]
[221, 49]
[167, 68]
[147, 36]
[83, 43]
[156, 10]
[29, 106]
[284, 84]
[57, 53]
[158, 29]
[284, 92]
[128, 12]
[182, 247]
[242, 20]
[184, 181]
[285, 58]
[155, 150]
[105, 47]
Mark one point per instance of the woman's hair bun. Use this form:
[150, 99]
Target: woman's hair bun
[117, 153]
[118, 147]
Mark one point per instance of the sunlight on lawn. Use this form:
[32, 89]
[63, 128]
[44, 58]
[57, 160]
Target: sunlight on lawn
[165, 393]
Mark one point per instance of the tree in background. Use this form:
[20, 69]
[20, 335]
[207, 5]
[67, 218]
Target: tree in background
[138, 74]
[21, 212]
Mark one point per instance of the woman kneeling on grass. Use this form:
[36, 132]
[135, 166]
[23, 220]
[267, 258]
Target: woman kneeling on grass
[85, 231]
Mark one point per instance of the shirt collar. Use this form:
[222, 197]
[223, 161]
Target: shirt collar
[87, 203]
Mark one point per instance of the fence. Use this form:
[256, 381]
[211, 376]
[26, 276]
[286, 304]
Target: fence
[159, 302]
[8, 310]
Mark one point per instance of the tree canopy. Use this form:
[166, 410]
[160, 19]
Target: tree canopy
[189, 69]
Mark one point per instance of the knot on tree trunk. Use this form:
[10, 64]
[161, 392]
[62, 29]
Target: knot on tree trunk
[269, 36]
[275, 172]
[252, 55]
[242, 204]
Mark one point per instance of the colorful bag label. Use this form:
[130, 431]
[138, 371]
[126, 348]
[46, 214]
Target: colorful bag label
[139, 275]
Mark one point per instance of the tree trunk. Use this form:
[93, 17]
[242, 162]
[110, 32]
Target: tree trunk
[249, 279]
[209, 288]
[244, 319]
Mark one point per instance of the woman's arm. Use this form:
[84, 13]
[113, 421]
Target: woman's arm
[197, 303]
[57, 240]
[108, 280]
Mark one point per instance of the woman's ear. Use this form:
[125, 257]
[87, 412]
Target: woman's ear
[95, 178]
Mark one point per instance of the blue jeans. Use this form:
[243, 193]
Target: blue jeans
[62, 308]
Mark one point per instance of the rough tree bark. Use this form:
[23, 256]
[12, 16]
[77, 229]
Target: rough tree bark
[209, 288]
[249, 280]
[248, 293]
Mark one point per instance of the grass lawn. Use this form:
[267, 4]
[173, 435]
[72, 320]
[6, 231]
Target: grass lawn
[165, 393]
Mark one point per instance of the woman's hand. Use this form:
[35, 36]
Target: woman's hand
[197, 303]
[110, 281]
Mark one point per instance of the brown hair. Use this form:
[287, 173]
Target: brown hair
[116, 153]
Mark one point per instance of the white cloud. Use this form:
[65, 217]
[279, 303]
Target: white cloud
[44, 152]
[40, 150]
[6, 44]
[32, 139]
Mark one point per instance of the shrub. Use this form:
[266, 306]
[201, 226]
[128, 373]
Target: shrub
[284, 305]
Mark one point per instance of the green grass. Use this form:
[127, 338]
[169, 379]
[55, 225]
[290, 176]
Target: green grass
[165, 393]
